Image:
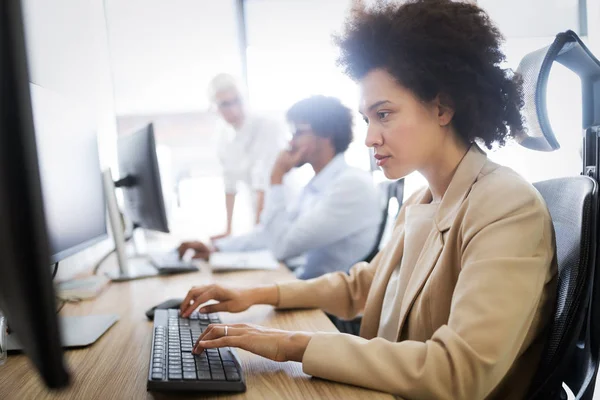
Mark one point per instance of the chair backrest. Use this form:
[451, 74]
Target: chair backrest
[567, 357]
[388, 190]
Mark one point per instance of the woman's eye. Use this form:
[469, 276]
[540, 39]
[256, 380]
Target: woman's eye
[383, 114]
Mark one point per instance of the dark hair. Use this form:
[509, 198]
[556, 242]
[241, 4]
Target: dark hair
[327, 117]
[439, 47]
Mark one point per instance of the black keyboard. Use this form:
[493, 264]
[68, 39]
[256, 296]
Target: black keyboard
[170, 263]
[173, 367]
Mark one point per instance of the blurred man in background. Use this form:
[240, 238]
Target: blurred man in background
[248, 145]
[335, 220]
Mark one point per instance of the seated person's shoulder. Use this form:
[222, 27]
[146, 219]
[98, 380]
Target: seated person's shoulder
[501, 192]
[354, 179]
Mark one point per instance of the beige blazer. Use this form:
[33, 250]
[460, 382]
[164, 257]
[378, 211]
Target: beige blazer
[474, 306]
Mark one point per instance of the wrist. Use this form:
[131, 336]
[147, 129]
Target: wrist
[277, 177]
[265, 295]
[297, 344]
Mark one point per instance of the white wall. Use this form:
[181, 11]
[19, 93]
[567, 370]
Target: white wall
[165, 52]
[533, 18]
[593, 10]
[67, 47]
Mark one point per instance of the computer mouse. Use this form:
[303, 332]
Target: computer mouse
[171, 303]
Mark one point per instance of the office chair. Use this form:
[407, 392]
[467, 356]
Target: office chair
[567, 357]
[388, 190]
[571, 353]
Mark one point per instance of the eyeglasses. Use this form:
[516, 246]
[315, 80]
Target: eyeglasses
[299, 132]
[229, 103]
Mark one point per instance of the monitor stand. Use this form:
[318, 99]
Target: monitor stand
[75, 331]
[137, 268]
[129, 268]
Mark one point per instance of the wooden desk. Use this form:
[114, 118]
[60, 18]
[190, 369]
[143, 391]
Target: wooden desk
[116, 367]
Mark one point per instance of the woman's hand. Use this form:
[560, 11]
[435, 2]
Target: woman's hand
[230, 299]
[273, 344]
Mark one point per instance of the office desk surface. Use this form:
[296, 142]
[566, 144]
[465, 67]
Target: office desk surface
[116, 366]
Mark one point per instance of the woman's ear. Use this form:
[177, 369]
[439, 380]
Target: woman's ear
[445, 107]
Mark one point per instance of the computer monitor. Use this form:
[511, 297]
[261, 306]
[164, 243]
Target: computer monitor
[142, 189]
[70, 172]
[144, 202]
[26, 292]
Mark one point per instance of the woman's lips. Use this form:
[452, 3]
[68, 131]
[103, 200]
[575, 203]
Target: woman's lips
[381, 159]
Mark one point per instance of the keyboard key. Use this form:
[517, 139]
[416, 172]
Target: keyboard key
[157, 376]
[204, 375]
[218, 377]
[226, 355]
[188, 376]
[175, 376]
[189, 369]
[157, 369]
[232, 376]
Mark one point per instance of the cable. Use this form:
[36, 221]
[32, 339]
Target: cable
[105, 257]
[55, 270]
[61, 305]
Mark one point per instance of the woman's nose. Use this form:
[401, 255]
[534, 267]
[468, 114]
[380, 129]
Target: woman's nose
[374, 137]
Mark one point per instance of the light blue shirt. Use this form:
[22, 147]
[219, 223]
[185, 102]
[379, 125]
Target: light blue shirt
[333, 223]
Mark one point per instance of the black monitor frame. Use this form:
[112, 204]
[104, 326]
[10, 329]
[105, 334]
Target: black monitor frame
[26, 292]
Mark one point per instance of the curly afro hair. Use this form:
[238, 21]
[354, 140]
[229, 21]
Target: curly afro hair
[439, 47]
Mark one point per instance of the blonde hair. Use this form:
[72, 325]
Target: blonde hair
[220, 83]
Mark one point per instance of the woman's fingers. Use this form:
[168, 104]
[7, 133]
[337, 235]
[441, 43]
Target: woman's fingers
[217, 331]
[196, 297]
[224, 341]
[213, 308]
[188, 298]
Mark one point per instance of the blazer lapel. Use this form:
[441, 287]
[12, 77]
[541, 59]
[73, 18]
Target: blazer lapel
[419, 274]
[372, 313]
[394, 253]
[466, 174]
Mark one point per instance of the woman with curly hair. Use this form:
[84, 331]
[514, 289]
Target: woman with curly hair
[457, 304]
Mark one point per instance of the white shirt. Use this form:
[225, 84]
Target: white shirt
[247, 155]
[333, 223]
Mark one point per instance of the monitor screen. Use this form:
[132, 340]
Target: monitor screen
[70, 172]
[144, 202]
